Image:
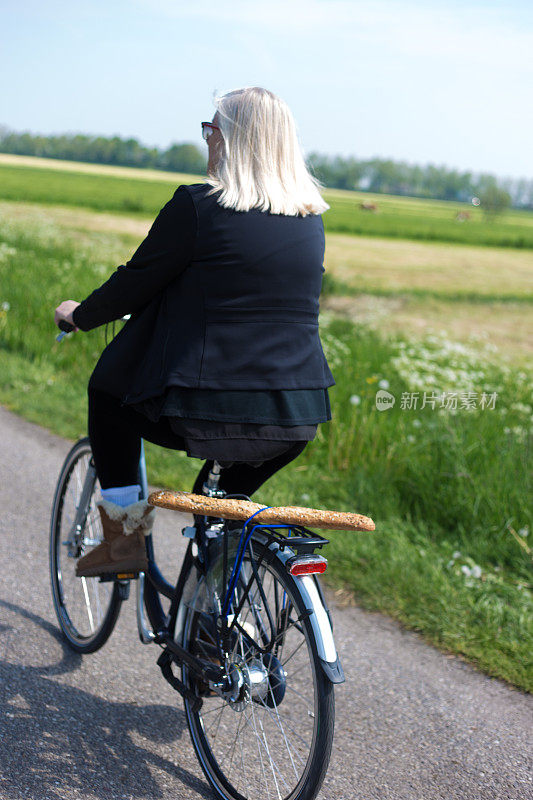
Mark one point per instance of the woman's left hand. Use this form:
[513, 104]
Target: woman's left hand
[64, 312]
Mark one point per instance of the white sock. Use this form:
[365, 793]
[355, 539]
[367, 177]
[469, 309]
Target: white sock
[122, 495]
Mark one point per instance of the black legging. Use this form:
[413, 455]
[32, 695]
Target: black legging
[116, 431]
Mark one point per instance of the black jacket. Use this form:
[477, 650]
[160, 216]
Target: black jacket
[232, 305]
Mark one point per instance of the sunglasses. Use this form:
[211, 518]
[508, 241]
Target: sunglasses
[207, 129]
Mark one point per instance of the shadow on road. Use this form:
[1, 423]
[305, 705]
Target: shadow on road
[59, 741]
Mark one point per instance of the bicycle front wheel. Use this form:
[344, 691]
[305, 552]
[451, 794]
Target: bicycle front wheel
[272, 737]
[86, 608]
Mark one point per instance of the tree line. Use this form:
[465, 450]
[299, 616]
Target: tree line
[375, 175]
[114, 150]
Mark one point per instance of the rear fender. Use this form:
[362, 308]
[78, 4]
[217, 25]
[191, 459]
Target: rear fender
[319, 619]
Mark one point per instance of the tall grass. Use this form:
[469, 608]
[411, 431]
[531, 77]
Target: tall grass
[405, 218]
[450, 491]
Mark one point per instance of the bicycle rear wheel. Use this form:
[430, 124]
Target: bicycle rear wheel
[86, 608]
[273, 738]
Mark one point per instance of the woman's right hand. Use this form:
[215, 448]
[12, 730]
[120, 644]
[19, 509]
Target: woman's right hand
[64, 312]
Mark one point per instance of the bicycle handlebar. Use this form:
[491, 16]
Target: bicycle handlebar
[65, 327]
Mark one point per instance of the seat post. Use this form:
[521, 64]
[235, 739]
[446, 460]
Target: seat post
[210, 487]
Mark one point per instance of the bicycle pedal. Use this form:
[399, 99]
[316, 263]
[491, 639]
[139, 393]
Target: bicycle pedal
[118, 576]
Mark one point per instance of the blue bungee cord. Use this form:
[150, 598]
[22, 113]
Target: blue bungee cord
[241, 549]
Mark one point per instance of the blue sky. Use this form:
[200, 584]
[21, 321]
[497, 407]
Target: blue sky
[426, 82]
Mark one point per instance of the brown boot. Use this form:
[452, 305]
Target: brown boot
[123, 548]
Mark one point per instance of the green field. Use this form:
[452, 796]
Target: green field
[405, 218]
[450, 491]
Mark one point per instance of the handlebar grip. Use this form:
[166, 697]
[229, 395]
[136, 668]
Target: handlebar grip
[65, 326]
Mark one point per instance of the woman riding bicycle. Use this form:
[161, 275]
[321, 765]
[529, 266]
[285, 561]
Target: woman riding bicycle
[221, 356]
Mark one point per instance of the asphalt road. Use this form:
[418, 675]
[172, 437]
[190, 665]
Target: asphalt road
[412, 723]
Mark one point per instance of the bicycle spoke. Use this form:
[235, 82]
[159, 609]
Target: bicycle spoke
[87, 603]
[243, 767]
[277, 720]
[282, 633]
[79, 482]
[292, 654]
[98, 605]
[212, 710]
[233, 746]
[289, 726]
[74, 498]
[258, 749]
[264, 744]
[216, 722]
[273, 764]
[293, 690]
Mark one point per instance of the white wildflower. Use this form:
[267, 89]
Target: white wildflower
[6, 251]
[524, 532]
[416, 423]
[456, 554]
[383, 383]
[476, 571]
[466, 570]
[519, 432]
[522, 408]
[355, 400]
[5, 306]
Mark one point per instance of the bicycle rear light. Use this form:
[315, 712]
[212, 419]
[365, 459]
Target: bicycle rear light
[307, 565]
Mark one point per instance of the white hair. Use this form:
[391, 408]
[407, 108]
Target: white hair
[261, 163]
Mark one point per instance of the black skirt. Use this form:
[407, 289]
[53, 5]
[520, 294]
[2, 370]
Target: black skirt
[239, 425]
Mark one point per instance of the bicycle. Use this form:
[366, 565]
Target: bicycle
[247, 626]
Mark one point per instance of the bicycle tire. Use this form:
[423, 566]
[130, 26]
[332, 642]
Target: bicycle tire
[253, 779]
[85, 624]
